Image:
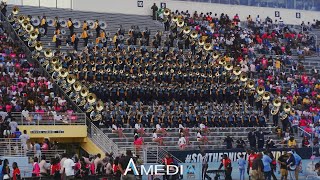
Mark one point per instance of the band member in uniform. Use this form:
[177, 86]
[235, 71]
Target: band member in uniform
[85, 37]
[70, 26]
[44, 25]
[97, 27]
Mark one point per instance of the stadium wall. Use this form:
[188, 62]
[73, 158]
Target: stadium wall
[131, 7]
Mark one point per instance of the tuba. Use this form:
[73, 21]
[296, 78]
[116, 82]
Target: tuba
[260, 90]
[243, 77]
[250, 84]
[48, 53]
[63, 72]
[99, 106]
[166, 12]
[71, 79]
[84, 92]
[76, 24]
[277, 102]
[207, 47]
[35, 21]
[33, 35]
[274, 110]
[180, 23]
[228, 67]
[266, 96]
[287, 108]
[236, 71]
[194, 34]
[15, 10]
[77, 86]
[103, 24]
[186, 30]
[38, 46]
[91, 98]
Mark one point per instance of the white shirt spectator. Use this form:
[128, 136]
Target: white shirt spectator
[182, 141]
[25, 113]
[68, 165]
[44, 166]
[199, 135]
[202, 126]
[155, 136]
[158, 127]
[137, 126]
[13, 125]
[24, 138]
[114, 127]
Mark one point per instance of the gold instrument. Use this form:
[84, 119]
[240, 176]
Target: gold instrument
[166, 12]
[243, 77]
[91, 98]
[39, 46]
[29, 28]
[287, 107]
[207, 47]
[260, 90]
[258, 98]
[201, 42]
[228, 67]
[34, 34]
[84, 92]
[21, 18]
[63, 72]
[283, 116]
[266, 95]
[237, 71]
[274, 110]
[186, 30]
[180, 23]
[194, 34]
[71, 79]
[15, 10]
[77, 86]
[55, 76]
[175, 18]
[99, 106]
[276, 102]
[57, 67]
[48, 53]
[250, 84]
[54, 60]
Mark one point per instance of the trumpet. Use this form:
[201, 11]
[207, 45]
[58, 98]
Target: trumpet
[260, 90]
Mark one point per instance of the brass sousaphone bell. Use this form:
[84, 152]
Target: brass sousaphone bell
[15, 10]
[237, 71]
[194, 34]
[63, 72]
[207, 47]
[287, 107]
[186, 30]
[99, 106]
[250, 84]
[91, 98]
[48, 53]
[84, 92]
[33, 34]
[276, 102]
[228, 67]
[39, 46]
[266, 96]
[274, 110]
[243, 77]
[71, 79]
[166, 12]
[260, 90]
[180, 23]
[77, 86]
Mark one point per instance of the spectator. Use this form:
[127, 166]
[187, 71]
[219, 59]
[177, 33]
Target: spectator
[257, 167]
[35, 167]
[24, 140]
[226, 164]
[37, 149]
[55, 169]
[68, 168]
[242, 163]
[6, 169]
[292, 142]
[282, 160]
[267, 166]
[1, 169]
[228, 141]
[98, 164]
[157, 139]
[240, 143]
[182, 142]
[16, 172]
[251, 158]
[123, 163]
[305, 142]
[44, 167]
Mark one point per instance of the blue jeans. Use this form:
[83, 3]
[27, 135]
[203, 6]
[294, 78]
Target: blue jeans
[242, 174]
[267, 175]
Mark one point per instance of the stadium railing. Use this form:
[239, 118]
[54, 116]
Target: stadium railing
[66, 4]
[47, 118]
[102, 140]
[11, 147]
